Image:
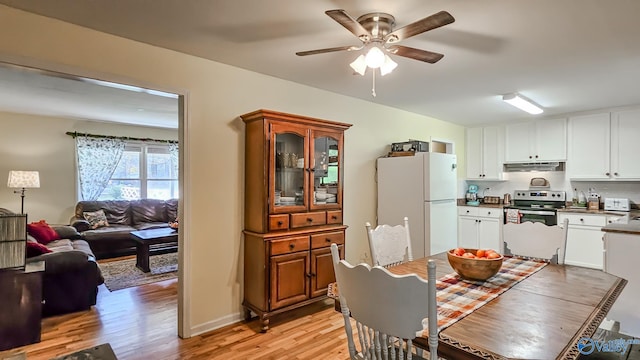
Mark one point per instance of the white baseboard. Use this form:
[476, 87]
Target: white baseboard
[217, 323]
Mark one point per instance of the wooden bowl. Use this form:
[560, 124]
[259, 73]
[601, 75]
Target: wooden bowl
[474, 269]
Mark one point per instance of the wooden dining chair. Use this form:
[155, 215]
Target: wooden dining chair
[389, 245]
[388, 309]
[536, 240]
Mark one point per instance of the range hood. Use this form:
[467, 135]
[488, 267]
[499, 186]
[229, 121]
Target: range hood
[534, 166]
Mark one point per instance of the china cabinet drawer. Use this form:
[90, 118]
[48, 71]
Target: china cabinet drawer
[308, 219]
[334, 217]
[278, 222]
[326, 239]
[289, 245]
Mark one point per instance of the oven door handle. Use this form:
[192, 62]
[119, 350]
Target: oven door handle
[535, 212]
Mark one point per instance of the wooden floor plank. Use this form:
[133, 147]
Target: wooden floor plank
[141, 323]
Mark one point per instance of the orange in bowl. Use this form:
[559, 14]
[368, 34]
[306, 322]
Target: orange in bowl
[474, 268]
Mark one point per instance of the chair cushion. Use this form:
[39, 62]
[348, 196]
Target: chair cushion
[42, 232]
[111, 232]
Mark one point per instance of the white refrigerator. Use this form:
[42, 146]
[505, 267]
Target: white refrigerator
[423, 188]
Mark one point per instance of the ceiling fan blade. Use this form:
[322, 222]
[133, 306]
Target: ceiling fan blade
[416, 54]
[349, 23]
[434, 21]
[322, 51]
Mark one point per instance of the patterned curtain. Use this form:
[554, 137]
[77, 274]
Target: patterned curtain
[97, 160]
[175, 160]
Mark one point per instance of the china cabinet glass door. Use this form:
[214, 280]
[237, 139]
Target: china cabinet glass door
[288, 189]
[325, 189]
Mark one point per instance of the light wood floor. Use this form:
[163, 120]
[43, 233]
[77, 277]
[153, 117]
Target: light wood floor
[141, 323]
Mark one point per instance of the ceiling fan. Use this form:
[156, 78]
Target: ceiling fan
[376, 32]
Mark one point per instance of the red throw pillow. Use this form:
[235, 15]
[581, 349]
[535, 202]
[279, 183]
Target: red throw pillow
[35, 249]
[42, 232]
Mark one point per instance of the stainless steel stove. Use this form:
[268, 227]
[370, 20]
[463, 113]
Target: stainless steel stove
[538, 205]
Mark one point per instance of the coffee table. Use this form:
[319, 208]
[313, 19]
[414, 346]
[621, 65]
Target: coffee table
[152, 239]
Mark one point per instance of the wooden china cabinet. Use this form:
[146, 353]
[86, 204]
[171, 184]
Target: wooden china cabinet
[293, 210]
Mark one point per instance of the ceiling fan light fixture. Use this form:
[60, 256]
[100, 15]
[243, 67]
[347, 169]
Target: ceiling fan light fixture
[375, 57]
[522, 103]
[359, 65]
[388, 66]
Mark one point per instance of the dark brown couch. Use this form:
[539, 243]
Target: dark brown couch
[71, 275]
[123, 216]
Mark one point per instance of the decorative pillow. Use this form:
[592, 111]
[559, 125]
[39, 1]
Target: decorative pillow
[96, 218]
[42, 232]
[35, 249]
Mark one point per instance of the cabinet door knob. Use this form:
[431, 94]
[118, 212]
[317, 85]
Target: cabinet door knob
[291, 246]
[581, 220]
[529, 156]
[308, 275]
[488, 212]
[467, 211]
[615, 173]
[309, 220]
[334, 217]
[280, 223]
[606, 173]
[327, 240]
[536, 156]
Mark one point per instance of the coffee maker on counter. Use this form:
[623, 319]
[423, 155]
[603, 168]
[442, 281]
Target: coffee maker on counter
[472, 195]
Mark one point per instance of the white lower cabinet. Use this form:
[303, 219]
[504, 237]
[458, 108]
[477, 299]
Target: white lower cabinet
[584, 239]
[479, 227]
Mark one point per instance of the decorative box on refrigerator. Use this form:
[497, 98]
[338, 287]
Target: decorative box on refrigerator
[423, 188]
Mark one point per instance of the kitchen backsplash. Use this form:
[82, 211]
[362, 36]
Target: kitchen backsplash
[557, 179]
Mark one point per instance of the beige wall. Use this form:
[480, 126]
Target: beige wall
[29, 142]
[214, 140]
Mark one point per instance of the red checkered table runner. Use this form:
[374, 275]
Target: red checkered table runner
[458, 298]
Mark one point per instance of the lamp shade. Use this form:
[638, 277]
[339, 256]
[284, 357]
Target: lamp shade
[23, 179]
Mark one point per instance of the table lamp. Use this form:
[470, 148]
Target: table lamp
[23, 180]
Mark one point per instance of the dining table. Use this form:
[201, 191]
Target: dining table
[545, 315]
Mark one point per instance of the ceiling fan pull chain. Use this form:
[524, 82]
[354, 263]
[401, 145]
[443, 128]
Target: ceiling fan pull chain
[373, 87]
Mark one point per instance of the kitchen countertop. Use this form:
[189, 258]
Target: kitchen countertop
[628, 224]
[463, 202]
[598, 212]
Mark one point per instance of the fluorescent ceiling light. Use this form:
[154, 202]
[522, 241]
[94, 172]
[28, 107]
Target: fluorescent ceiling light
[522, 103]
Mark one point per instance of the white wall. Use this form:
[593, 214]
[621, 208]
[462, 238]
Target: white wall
[213, 143]
[30, 142]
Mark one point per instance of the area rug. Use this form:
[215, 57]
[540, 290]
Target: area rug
[100, 352]
[124, 274]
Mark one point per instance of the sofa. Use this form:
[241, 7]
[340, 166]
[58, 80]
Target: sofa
[112, 237]
[71, 275]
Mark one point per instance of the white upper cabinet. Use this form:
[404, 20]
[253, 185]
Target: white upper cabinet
[589, 137]
[536, 141]
[602, 146]
[484, 152]
[625, 134]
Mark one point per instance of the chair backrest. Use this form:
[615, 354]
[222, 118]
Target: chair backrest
[536, 240]
[388, 309]
[389, 245]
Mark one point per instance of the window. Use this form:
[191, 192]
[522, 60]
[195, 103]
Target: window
[144, 171]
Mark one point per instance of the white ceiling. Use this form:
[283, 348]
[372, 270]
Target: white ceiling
[568, 56]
